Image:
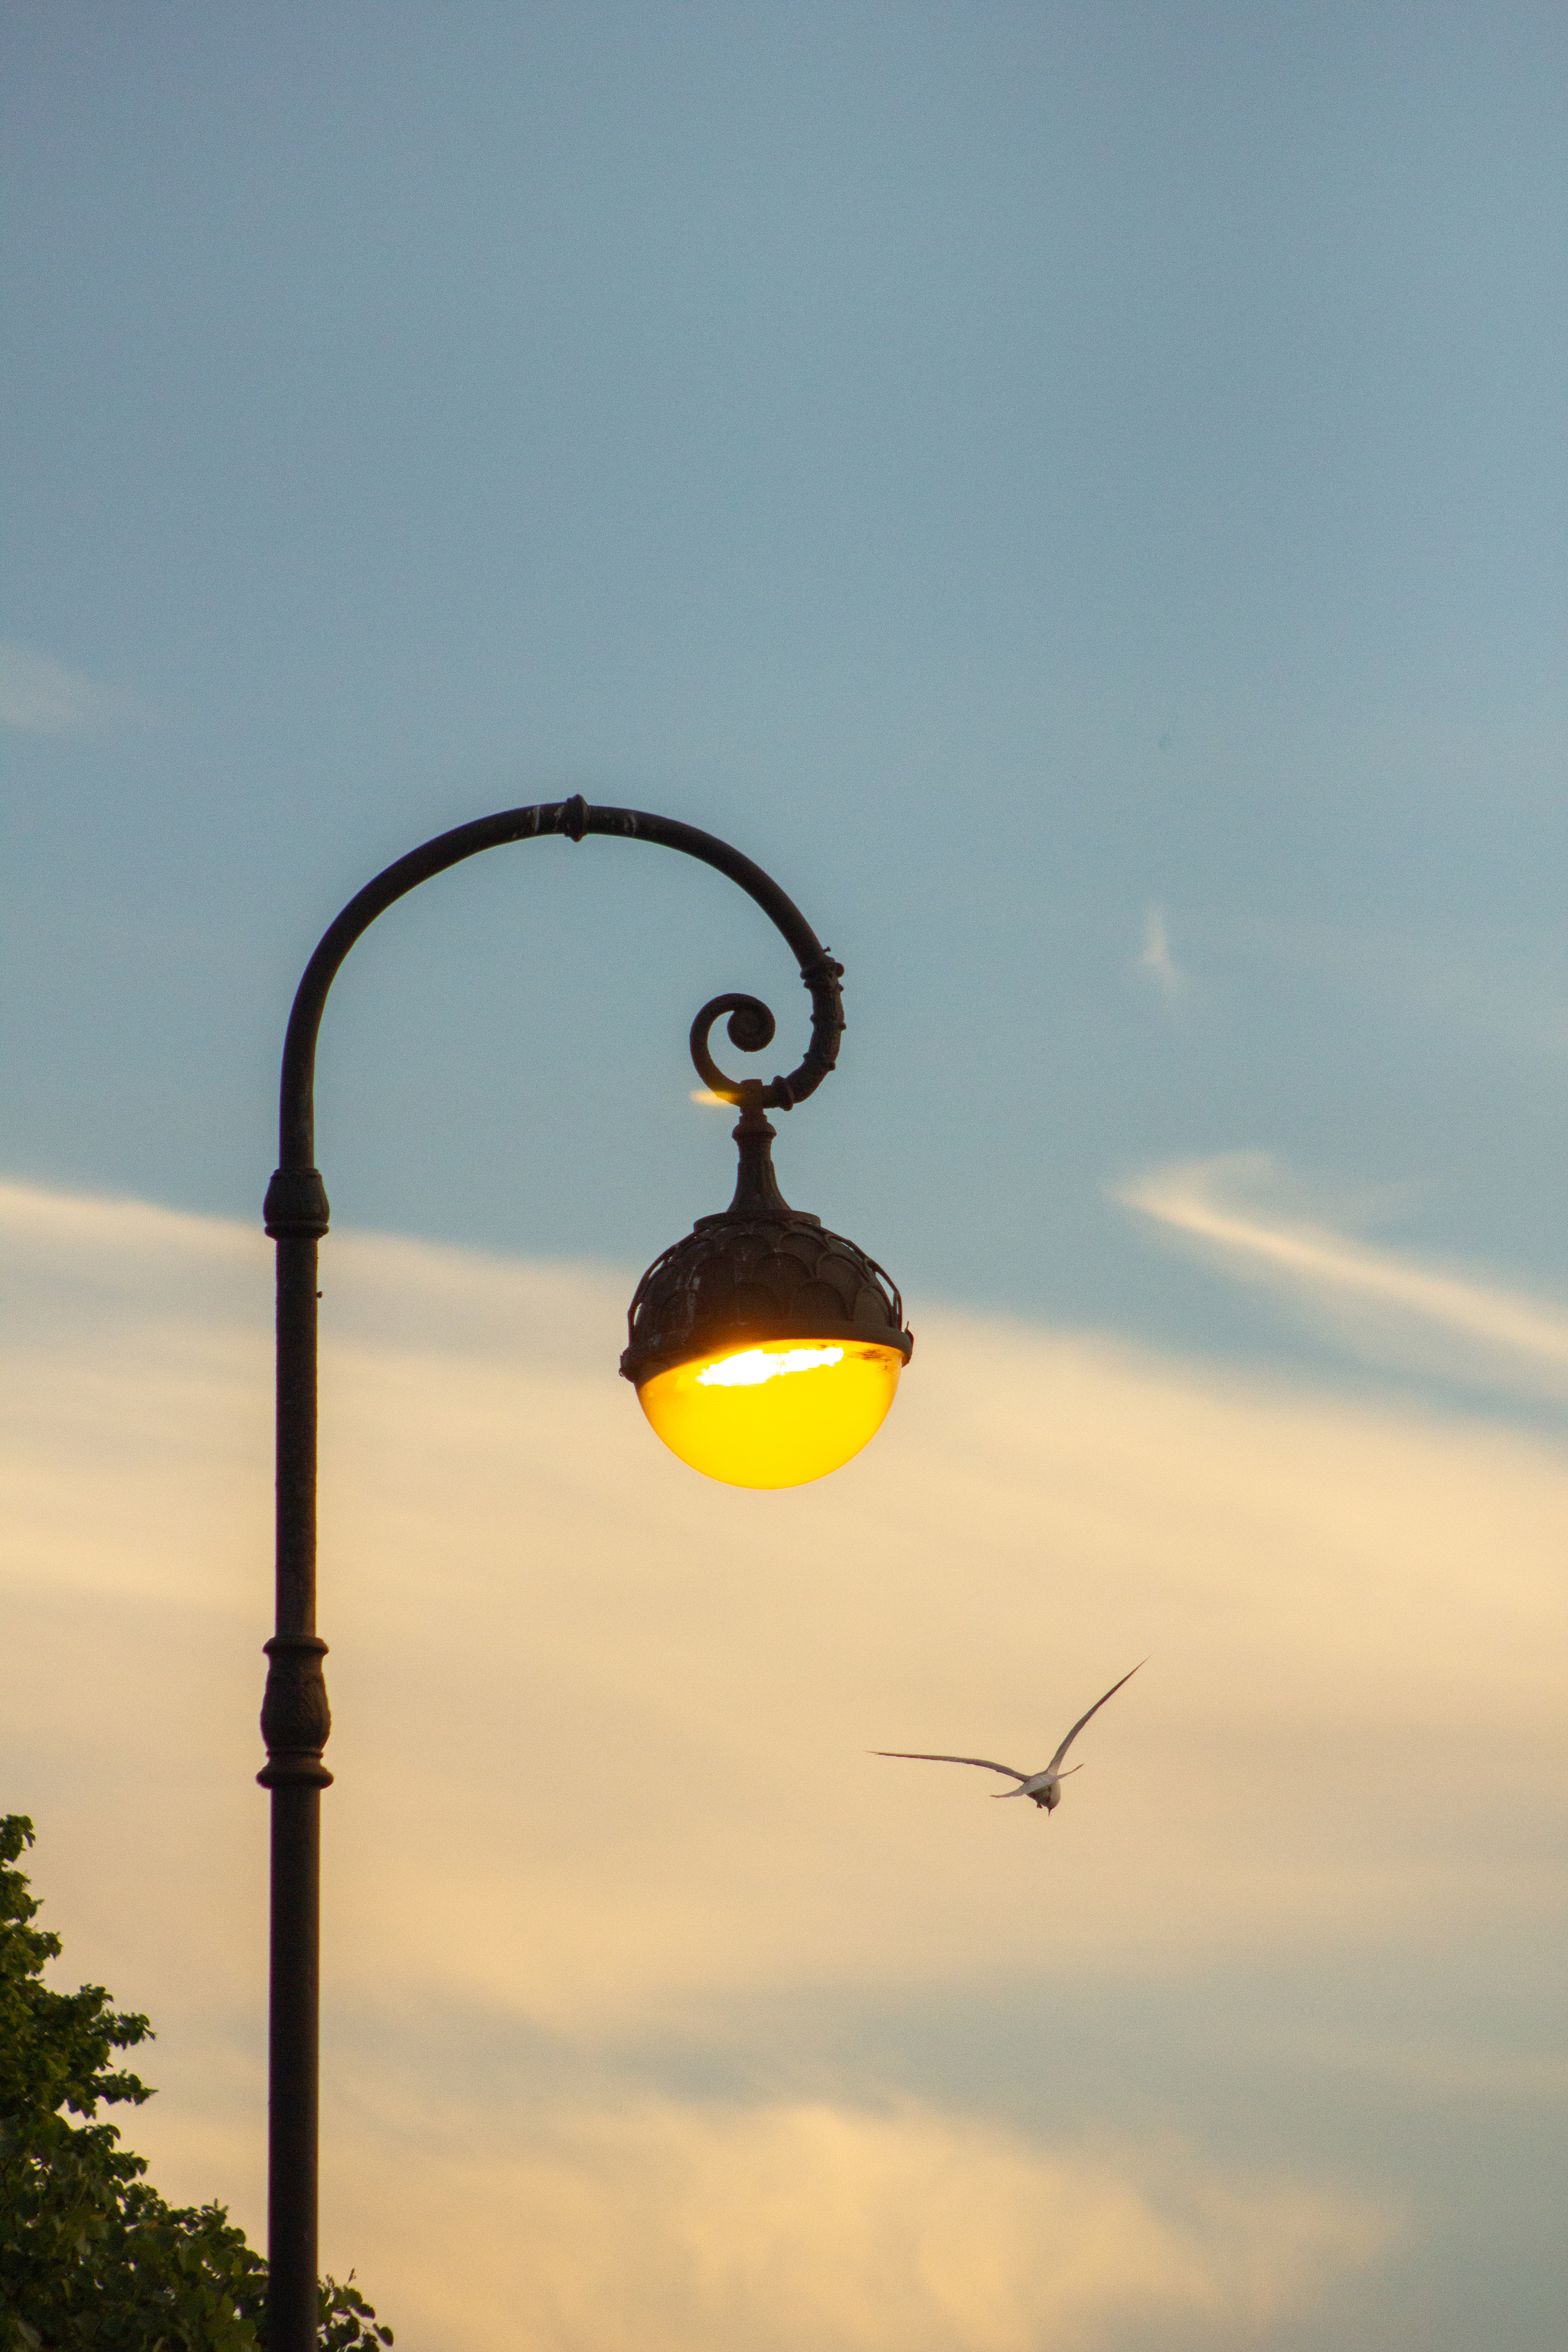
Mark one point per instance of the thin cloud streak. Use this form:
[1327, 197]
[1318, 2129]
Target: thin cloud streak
[1155, 958]
[1389, 1305]
[42, 696]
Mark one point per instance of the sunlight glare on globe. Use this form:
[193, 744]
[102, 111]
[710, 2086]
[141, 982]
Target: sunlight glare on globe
[778, 1414]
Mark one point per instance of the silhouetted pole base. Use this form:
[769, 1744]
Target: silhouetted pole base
[295, 1993]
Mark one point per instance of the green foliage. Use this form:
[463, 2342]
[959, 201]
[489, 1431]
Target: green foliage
[91, 2258]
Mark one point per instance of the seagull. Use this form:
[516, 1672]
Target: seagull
[1043, 1787]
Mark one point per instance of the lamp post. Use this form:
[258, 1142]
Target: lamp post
[764, 1349]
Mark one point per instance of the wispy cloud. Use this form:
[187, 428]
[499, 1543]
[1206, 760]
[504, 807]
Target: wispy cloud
[1154, 958]
[1392, 1306]
[666, 2227]
[41, 696]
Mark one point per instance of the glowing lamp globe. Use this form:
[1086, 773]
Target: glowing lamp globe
[764, 1349]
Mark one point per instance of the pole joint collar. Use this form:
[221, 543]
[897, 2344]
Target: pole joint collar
[296, 1208]
[296, 1720]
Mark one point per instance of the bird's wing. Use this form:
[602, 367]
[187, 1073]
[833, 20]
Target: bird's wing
[916, 1756]
[1099, 1703]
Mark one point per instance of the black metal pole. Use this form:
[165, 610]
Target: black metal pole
[295, 1722]
[295, 1716]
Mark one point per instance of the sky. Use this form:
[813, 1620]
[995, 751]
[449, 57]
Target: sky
[1077, 494]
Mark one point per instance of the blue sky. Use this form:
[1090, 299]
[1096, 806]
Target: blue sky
[1008, 469]
[1076, 492]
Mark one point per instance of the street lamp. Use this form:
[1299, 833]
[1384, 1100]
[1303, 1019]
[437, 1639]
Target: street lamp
[765, 1351]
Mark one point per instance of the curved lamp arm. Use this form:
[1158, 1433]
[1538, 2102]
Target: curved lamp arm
[297, 1204]
[295, 1716]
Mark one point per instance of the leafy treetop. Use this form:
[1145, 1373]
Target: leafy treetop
[91, 2258]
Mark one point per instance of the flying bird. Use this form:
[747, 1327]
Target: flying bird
[1043, 1787]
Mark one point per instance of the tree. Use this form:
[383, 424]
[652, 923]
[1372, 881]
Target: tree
[91, 2258]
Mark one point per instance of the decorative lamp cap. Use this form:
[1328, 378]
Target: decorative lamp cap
[742, 1281]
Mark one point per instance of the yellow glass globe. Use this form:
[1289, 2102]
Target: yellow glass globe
[777, 1414]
